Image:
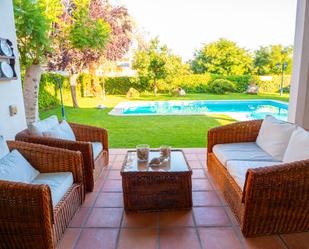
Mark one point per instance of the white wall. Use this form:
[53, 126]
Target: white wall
[10, 91]
[299, 97]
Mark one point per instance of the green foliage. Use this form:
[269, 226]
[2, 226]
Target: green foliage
[121, 85]
[32, 29]
[49, 90]
[241, 82]
[273, 85]
[268, 60]
[84, 84]
[221, 86]
[156, 63]
[87, 33]
[222, 57]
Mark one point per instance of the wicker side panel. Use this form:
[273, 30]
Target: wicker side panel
[99, 165]
[231, 191]
[66, 209]
[157, 191]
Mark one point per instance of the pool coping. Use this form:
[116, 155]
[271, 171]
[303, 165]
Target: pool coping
[119, 108]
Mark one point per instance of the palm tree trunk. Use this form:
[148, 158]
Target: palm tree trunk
[73, 83]
[31, 92]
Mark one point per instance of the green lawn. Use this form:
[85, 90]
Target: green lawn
[127, 132]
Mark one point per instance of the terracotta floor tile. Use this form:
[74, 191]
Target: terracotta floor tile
[231, 215]
[105, 217]
[195, 164]
[219, 238]
[179, 238]
[90, 199]
[201, 184]
[112, 186]
[97, 238]
[297, 240]
[265, 242]
[106, 199]
[80, 217]
[69, 238]
[120, 158]
[138, 239]
[191, 157]
[117, 166]
[176, 219]
[202, 157]
[205, 198]
[194, 150]
[114, 175]
[140, 220]
[198, 173]
[204, 164]
[118, 151]
[211, 216]
[98, 184]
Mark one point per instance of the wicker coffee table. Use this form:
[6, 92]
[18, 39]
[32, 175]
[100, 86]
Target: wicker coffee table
[156, 188]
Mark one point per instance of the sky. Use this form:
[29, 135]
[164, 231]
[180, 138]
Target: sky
[185, 25]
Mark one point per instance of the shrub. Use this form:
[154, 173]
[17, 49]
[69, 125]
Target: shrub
[241, 82]
[121, 85]
[49, 90]
[221, 86]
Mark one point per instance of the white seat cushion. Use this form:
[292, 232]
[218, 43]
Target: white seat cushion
[238, 169]
[14, 167]
[298, 147]
[97, 147]
[37, 128]
[240, 151]
[61, 131]
[274, 136]
[4, 149]
[59, 184]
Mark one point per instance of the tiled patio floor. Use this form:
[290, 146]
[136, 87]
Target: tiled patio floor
[102, 222]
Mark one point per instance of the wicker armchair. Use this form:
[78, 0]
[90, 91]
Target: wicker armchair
[275, 198]
[84, 135]
[27, 217]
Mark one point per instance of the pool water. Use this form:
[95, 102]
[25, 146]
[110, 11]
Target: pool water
[238, 109]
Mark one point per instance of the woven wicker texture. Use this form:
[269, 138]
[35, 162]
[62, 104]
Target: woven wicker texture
[27, 218]
[275, 199]
[84, 135]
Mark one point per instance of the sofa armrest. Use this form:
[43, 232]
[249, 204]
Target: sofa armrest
[26, 215]
[49, 159]
[246, 131]
[276, 198]
[88, 133]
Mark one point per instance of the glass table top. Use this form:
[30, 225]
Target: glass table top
[177, 163]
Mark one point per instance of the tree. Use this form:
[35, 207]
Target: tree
[73, 54]
[268, 60]
[80, 39]
[222, 57]
[34, 24]
[156, 62]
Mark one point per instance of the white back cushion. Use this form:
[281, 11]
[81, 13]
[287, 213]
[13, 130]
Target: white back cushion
[61, 131]
[4, 149]
[41, 126]
[14, 167]
[274, 136]
[298, 147]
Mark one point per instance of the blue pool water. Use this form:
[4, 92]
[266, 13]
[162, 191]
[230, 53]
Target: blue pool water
[241, 109]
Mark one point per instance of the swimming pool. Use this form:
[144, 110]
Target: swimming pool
[238, 109]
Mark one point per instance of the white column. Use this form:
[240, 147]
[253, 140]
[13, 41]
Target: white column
[299, 96]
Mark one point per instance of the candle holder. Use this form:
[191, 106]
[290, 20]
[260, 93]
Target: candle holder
[142, 152]
[165, 152]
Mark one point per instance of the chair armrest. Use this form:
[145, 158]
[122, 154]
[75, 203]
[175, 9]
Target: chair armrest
[88, 133]
[26, 211]
[277, 197]
[50, 159]
[240, 132]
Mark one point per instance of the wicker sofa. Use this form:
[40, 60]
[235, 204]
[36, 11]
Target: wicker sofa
[86, 136]
[29, 217]
[274, 199]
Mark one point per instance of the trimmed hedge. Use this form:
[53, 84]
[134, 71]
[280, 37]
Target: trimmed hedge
[49, 95]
